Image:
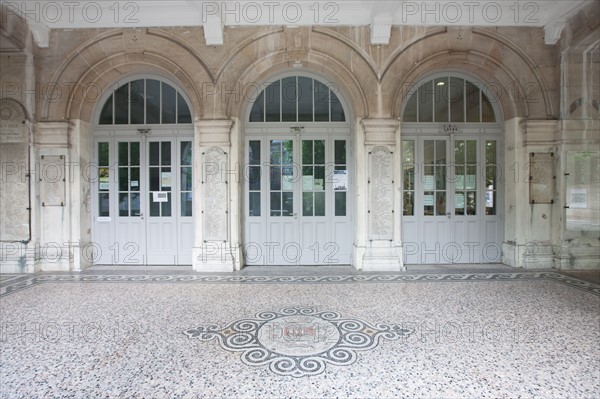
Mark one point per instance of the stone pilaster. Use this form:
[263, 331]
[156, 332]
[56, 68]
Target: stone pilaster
[52, 174]
[213, 247]
[529, 227]
[383, 244]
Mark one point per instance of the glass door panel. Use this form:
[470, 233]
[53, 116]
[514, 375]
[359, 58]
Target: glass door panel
[465, 177]
[434, 178]
[313, 177]
[129, 179]
[186, 176]
[281, 186]
[161, 179]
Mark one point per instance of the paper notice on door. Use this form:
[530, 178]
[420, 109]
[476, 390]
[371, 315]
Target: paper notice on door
[307, 183]
[340, 180]
[319, 184]
[160, 197]
[165, 179]
[287, 183]
[103, 179]
[428, 183]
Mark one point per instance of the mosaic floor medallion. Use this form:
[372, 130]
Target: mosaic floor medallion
[298, 341]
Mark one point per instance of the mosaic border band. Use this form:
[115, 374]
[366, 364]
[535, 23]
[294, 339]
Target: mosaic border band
[22, 282]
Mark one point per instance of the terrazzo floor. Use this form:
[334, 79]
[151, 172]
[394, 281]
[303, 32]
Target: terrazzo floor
[463, 333]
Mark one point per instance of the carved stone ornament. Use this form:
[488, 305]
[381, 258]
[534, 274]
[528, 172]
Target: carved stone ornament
[381, 204]
[214, 194]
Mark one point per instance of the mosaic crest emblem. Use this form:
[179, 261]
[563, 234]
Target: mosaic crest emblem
[298, 341]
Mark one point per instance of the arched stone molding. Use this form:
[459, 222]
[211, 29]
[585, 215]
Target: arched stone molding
[251, 81]
[96, 81]
[277, 50]
[522, 89]
[90, 69]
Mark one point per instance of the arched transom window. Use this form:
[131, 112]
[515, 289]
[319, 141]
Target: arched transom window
[449, 99]
[145, 102]
[298, 99]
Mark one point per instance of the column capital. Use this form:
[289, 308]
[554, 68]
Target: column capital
[539, 131]
[52, 133]
[380, 130]
[213, 132]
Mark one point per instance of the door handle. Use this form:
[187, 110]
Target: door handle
[449, 214]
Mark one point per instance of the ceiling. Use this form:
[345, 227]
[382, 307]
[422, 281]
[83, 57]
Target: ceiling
[42, 16]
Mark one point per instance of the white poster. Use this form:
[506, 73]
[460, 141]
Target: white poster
[428, 183]
[340, 180]
[160, 197]
[578, 198]
[165, 179]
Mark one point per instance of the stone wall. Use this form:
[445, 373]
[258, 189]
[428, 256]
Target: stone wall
[546, 94]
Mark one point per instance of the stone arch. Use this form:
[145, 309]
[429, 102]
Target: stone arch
[261, 70]
[487, 91]
[90, 68]
[94, 83]
[521, 89]
[270, 52]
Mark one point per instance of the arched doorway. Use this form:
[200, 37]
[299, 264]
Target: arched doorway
[298, 174]
[452, 185]
[142, 200]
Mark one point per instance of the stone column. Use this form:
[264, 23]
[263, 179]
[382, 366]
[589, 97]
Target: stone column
[383, 244]
[213, 247]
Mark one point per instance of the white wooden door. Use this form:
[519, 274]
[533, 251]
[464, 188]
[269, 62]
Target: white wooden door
[142, 200]
[129, 246]
[282, 205]
[451, 200]
[301, 213]
[437, 239]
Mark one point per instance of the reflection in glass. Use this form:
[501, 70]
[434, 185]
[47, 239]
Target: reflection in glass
[408, 205]
[257, 114]
[135, 204]
[441, 99]
[152, 101]
[106, 115]
[305, 99]
[183, 111]
[273, 102]
[275, 204]
[123, 204]
[103, 205]
[186, 204]
[457, 99]
[168, 104]
[122, 105]
[288, 99]
[166, 207]
[340, 204]
[136, 95]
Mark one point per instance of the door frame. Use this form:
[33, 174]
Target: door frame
[325, 253]
[413, 239]
[113, 134]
